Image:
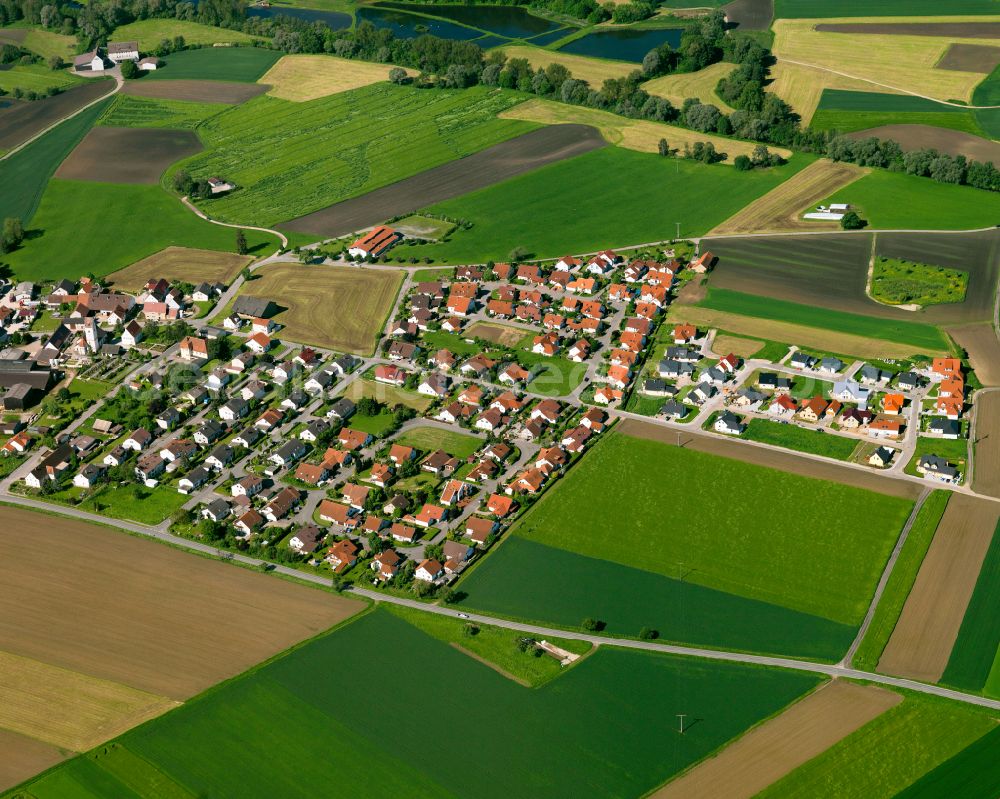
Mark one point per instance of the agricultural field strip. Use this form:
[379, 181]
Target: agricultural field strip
[802, 87]
[709, 654]
[300, 78]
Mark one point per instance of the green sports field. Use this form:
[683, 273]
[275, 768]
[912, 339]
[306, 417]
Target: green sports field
[241, 64]
[809, 545]
[294, 158]
[378, 708]
[85, 227]
[915, 334]
[847, 111]
[127, 111]
[608, 197]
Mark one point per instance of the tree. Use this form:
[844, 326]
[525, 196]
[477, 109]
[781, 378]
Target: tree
[183, 181]
[12, 235]
[398, 76]
[56, 62]
[648, 634]
[663, 147]
[245, 273]
[241, 242]
[742, 163]
[851, 221]
[590, 624]
[130, 70]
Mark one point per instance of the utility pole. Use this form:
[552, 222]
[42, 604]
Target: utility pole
[678, 230]
[682, 716]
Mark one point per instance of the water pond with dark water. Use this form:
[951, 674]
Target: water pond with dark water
[627, 44]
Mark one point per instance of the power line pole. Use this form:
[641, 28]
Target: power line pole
[682, 716]
[678, 230]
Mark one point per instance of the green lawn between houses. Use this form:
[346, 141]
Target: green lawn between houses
[790, 436]
[574, 206]
[901, 581]
[809, 545]
[915, 334]
[83, 227]
[313, 721]
[890, 753]
[428, 439]
[240, 64]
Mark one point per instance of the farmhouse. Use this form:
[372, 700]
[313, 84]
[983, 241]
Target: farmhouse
[374, 243]
[123, 51]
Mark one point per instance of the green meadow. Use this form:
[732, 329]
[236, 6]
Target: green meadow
[971, 774]
[128, 111]
[430, 438]
[240, 64]
[847, 111]
[809, 545]
[791, 436]
[379, 708]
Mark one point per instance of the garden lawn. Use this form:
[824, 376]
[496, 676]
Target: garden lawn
[83, 227]
[240, 64]
[901, 581]
[915, 334]
[888, 754]
[150, 32]
[972, 773]
[800, 439]
[572, 206]
[35, 77]
[129, 111]
[428, 439]
[135, 503]
[599, 729]
[809, 545]
[294, 158]
[892, 200]
[526, 580]
[26, 173]
[978, 641]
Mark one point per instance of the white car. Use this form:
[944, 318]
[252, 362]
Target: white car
[463, 615]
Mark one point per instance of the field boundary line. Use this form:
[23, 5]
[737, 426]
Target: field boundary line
[884, 580]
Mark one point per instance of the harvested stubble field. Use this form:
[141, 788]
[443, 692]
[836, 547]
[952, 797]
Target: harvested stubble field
[181, 263]
[127, 155]
[744, 347]
[25, 119]
[986, 478]
[174, 623]
[925, 634]
[22, 757]
[387, 395]
[199, 91]
[593, 70]
[971, 57]
[301, 78]
[901, 60]
[633, 134]
[918, 137]
[480, 170]
[780, 745]
[781, 208]
[701, 84]
[802, 87]
[983, 28]
[341, 308]
[280, 152]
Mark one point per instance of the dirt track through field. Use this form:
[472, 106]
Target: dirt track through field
[22, 757]
[986, 479]
[970, 58]
[127, 155]
[199, 91]
[485, 168]
[110, 605]
[920, 137]
[774, 459]
[954, 30]
[25, 119]
[780, 745]
[923, 638]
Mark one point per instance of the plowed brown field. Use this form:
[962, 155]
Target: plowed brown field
[22, 757]
[986, 477]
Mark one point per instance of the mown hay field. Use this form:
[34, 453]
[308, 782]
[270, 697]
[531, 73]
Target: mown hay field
[301, 78]
[633, 134]
[290, 159]
[701, 84]
[150, 32]
[803, 87]
[593, 70]
[335, 307]
[181, 263]
[781, 209]
[387, 395]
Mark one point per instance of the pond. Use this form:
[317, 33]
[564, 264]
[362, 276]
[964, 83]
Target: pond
[513, 22]
[335, 19]
[628, 44]
[408, 26]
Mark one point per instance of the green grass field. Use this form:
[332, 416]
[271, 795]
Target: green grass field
[572, 206]
[135, 503]
[36, 77]
[888, 754]
[978, 642]
[791, 436]
[428, 439]
[847, 111]
[899, 282]
[652, 506]
[972, 773]
[901, 581]
[988, 93]
[85, 227]
[526, 580]
[150, 32]
[294, 158]
[892, 200]
[241, 64]
[26, 173]
[127, 111]
[915, 334]
[40, 41]
[808, 9]
[600, 728]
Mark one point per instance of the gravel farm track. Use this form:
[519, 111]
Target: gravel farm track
[494, 164]
[127, 155]
[26, 119]
[198, 91]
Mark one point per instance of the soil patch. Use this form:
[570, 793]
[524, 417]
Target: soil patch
[923, 638]
[22, 757]
[970, 58]
[127, 155]
[920, 137]
[773, 459]
[174, 623]
[986, 478]
[750, 15]
[498, 334]
[981, 343]
[181, 263]
[778, 746]
[22, 120]
[199, 91]
[953, 30]
[492, 165]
